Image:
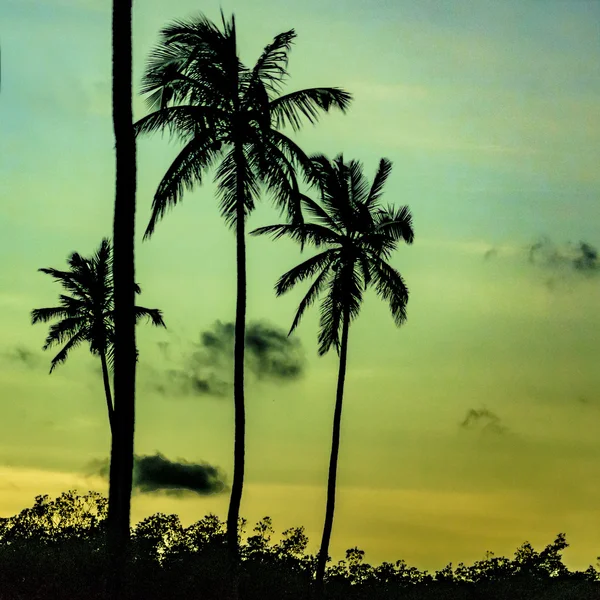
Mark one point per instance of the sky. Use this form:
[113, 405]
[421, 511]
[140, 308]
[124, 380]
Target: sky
[475, 425]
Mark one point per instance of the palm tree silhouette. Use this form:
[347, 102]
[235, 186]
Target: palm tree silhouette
[87, 314]
[229, 115]
[359, 235]
[122, 442]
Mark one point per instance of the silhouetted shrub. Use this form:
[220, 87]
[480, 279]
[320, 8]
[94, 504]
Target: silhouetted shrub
[56, 549]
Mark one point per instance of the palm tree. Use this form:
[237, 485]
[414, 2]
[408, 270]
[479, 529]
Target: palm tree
[230, 115]
[87, 314]
[359, 235]
[121, 453]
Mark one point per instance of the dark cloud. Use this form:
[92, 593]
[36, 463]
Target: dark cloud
[272, 354]
[198, 379]
[156, 473]
[210, 385]
[483, 420]
[588, 402]
[587, 259]
[23, 356]
[580, 257]
[164, 349]
[490, 253]
[208, 368]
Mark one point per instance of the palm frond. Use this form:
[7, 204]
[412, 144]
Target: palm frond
[304, 271]
[198, 34]
[194, 63]
[312, 294]
[390, 286]
[330, 321]
[61, 331]
[110, 355]
[291, 109]
[271, 166]
[395, 223]
[345, 294]
[99, 279]
[357, 182]
[186, 170]
[153, 315]
[332, 181]
[295, 155]
[165, 65]
[75, 305]
[230, 174]
[59, 276]
[179, 75]
[383, 171]
[68, 280]
[353, 286]
[321, 215]
[317, 235]
[43, 315]
[185, 121]
[271, 68]
[364, 265]
[103, 256]
[62, 356]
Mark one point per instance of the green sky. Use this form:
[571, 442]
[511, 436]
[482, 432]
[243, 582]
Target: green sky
[490, 112]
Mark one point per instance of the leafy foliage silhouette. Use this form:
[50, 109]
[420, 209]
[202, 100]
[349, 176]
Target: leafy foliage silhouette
[359, 235]
[57, 548]
[229, 116]
[86, 315]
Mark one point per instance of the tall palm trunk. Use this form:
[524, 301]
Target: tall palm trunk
[107, 393]
[121, 464]
[333, 460]
[238, 366]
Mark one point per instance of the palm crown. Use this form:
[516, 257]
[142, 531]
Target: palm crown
[86, 315]
[359, 235]
[199, 89]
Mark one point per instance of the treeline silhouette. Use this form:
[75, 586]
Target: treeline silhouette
[57, 549]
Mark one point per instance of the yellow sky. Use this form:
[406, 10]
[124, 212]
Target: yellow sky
[490, 114]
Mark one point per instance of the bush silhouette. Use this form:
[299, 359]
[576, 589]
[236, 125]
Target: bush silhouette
[56, 549]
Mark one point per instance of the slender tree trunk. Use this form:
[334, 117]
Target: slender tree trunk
[238, 368]
[333, 460]
[121, 464]
[109, 403]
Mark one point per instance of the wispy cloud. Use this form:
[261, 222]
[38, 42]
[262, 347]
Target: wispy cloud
[23, 356]
[483, 420]
[271, 356]
[581, 257]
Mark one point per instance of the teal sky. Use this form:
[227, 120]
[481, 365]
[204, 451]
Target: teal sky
[490, 113]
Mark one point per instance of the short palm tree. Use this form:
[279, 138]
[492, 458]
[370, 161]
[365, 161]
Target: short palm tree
[359, 235]
[87, 314]
[229, 116]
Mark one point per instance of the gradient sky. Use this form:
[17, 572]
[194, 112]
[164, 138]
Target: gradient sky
[490, 112]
